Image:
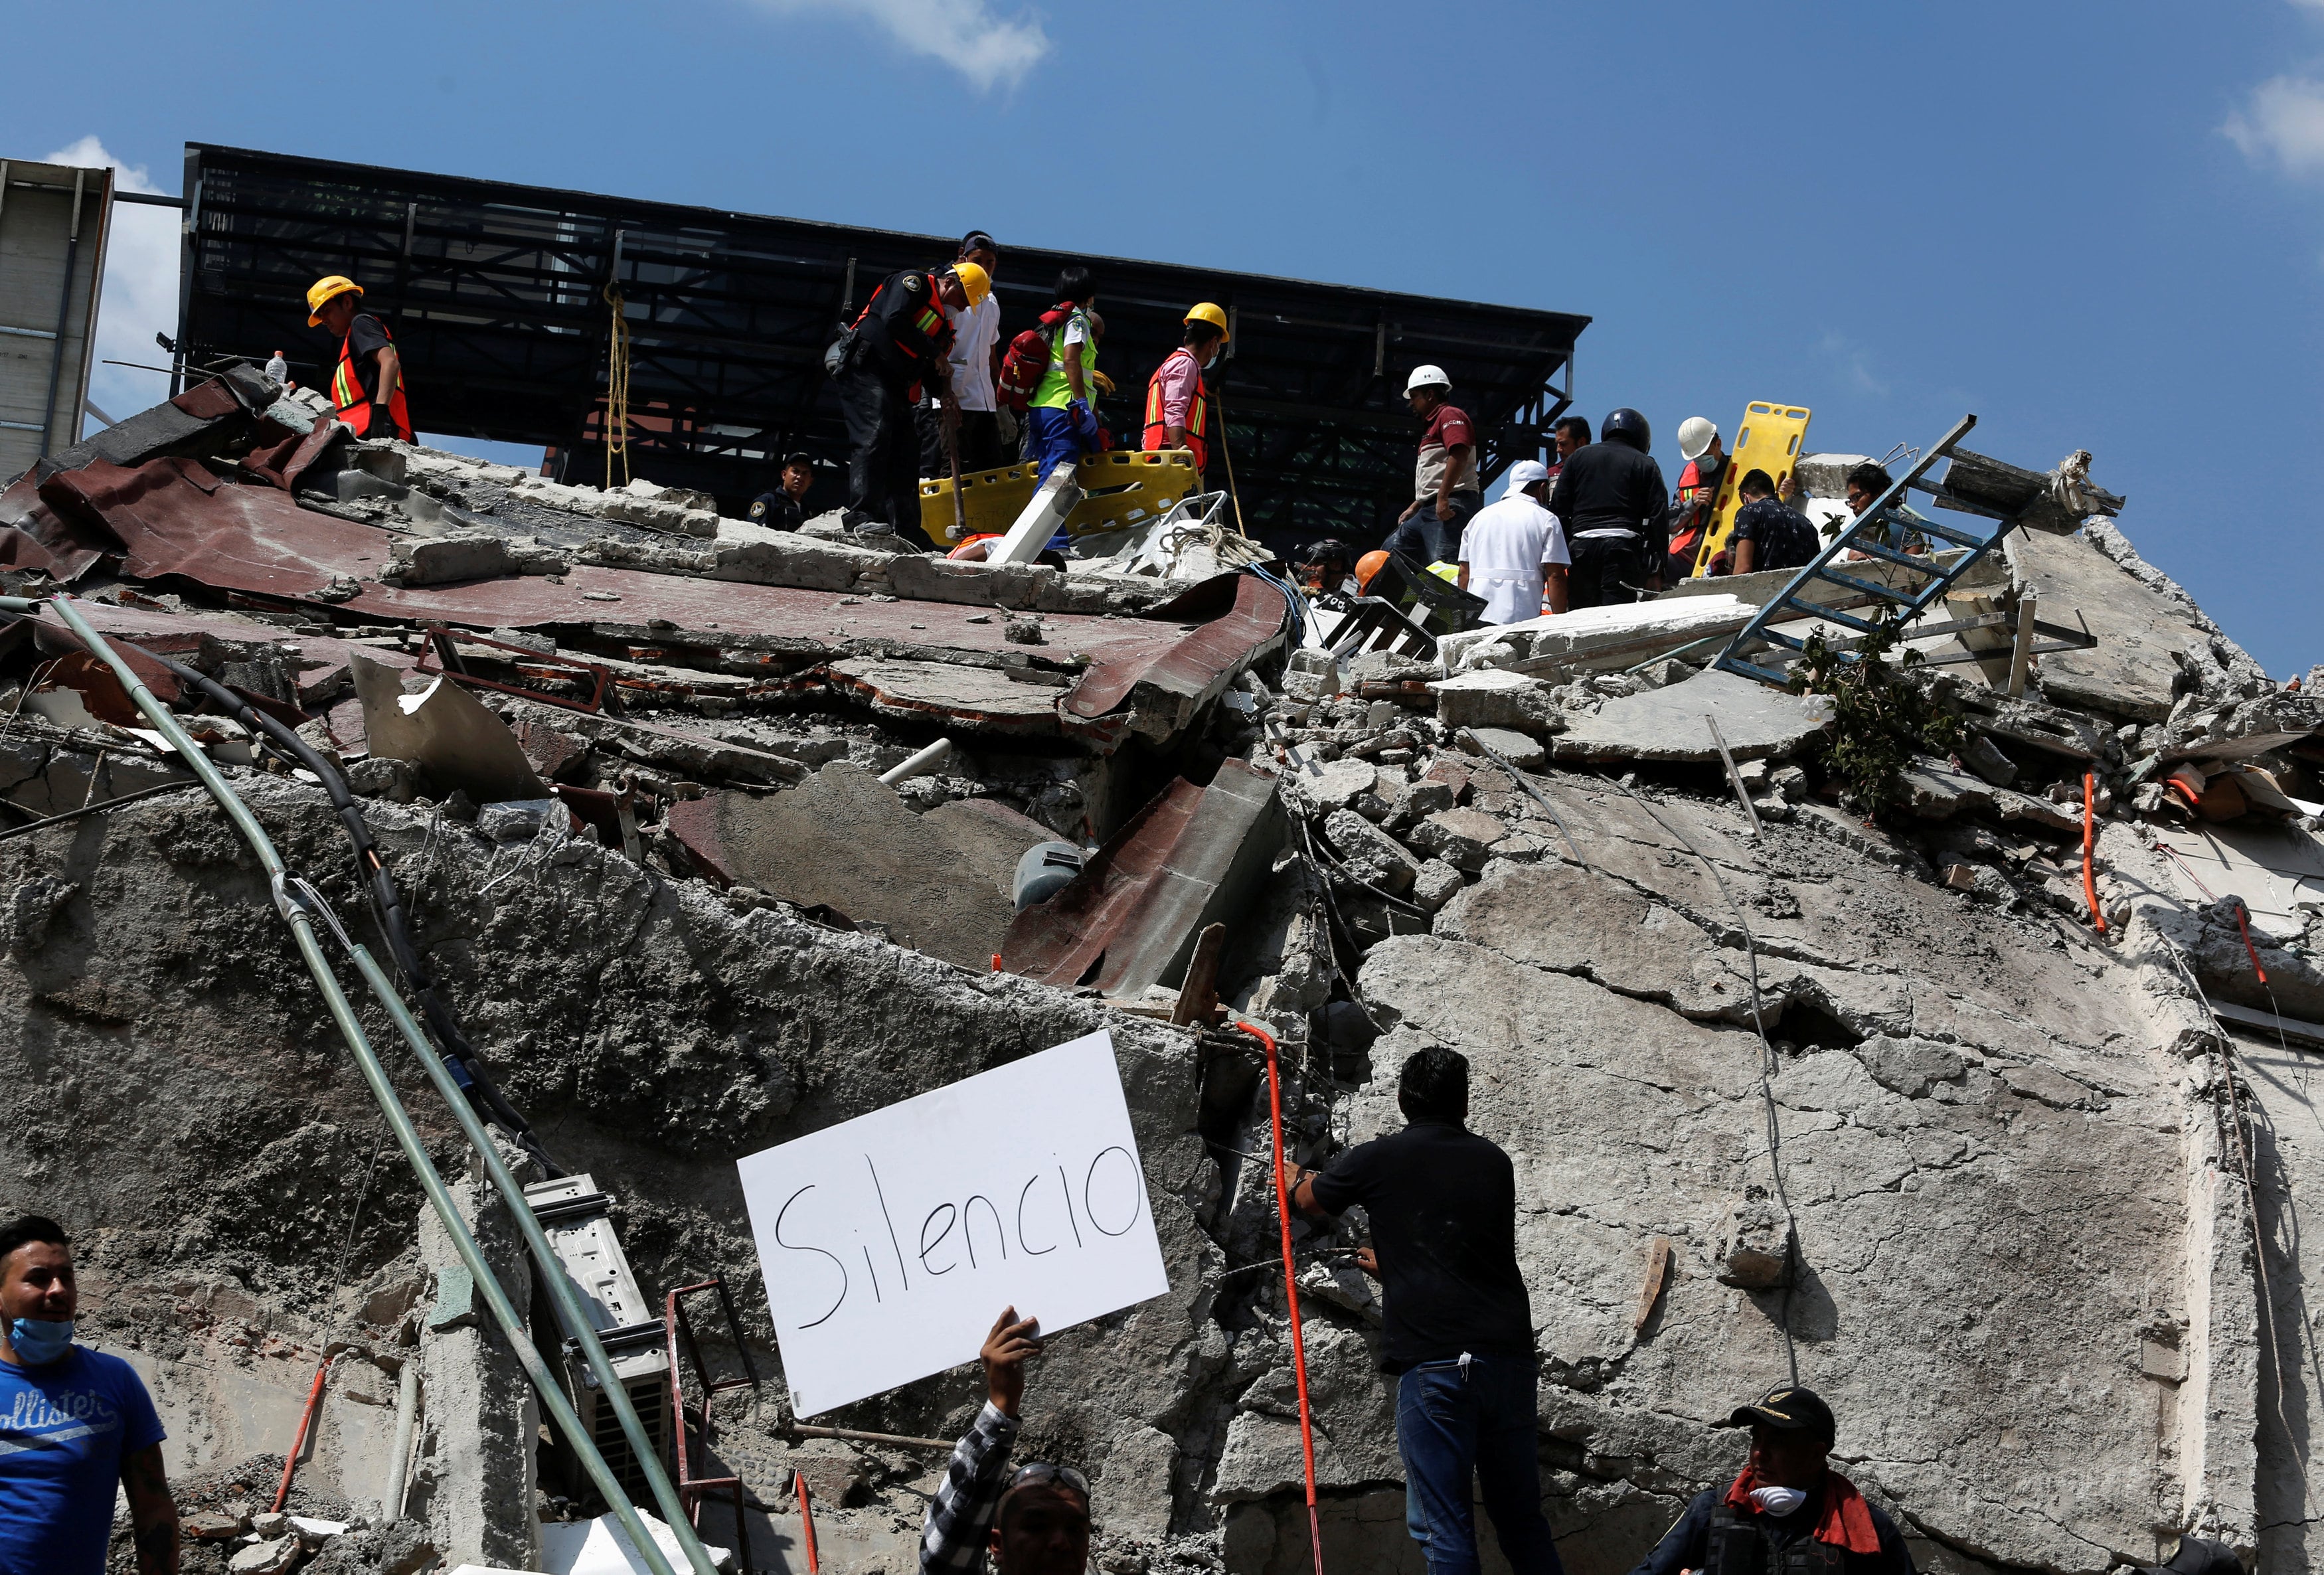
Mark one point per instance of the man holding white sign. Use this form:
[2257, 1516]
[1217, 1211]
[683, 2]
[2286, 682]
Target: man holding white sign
[1033, 1521]
[886, 1241]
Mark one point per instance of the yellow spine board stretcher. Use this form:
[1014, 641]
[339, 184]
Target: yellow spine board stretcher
[1769, 438]
[1123, 488]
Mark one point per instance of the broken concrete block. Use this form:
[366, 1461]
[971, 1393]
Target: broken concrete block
[1982, 755]
[1754, 1248]
[272, 1557]
[210, 1527]
[1667, 724]
[1370, 854]
[1321, 789]
[1137, 1487]
[1434, 884]
[1615, 635]
[379, 777]
[521, 820]
[1410, 801]
[1495, 697]
[1515, 748]
[833, 1471]
[468, 554]
[1460, 837]
[1910, 1067]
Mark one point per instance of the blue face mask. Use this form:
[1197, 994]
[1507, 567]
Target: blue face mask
[40, 1341]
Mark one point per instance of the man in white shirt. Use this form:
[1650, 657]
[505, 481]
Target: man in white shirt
[1513, 553]
[983, 445]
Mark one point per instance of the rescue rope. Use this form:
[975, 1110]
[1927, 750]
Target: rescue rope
[1291, 1287]
[617, 388]
[1766, 1075]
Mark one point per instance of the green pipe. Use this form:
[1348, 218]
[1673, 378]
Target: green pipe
[560, 1286]
[407, 1137]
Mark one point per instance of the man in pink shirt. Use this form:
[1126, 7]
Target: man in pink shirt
[1177, 412]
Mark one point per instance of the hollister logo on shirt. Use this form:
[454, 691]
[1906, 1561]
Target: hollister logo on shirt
[39, 1420]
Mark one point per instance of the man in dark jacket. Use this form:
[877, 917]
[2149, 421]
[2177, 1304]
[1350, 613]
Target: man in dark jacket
[902, 341]
[1788, 1513]
[1611, 499]
[783, 507]
[1457, 1322]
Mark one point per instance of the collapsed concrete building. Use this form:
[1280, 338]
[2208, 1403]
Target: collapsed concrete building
[2020, 1196]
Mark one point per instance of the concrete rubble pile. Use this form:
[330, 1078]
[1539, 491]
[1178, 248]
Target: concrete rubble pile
[2030, 1223]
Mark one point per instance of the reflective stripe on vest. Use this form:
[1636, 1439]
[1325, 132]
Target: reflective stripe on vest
[928, 322]
[355, 405]
[1198, 409]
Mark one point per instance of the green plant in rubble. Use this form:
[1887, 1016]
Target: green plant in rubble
[1879, 721]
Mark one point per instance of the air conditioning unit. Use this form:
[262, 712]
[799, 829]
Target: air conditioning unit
[573, 1214]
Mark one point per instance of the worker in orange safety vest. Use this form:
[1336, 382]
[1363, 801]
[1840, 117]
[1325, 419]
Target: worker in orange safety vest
[367, 385]
[1176, 409]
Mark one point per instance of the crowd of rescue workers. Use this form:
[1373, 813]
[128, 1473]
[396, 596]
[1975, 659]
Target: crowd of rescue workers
[930, 388]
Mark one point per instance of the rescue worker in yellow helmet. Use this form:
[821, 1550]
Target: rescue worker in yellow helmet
[367, 385]
[901, 342]
[1175, 409]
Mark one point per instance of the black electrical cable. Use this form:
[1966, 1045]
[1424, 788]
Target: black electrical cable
[467, 1068]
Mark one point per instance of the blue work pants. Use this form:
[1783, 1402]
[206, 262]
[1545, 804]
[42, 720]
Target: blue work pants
[1467, 1425]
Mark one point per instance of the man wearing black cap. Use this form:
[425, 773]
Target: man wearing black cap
[1457, 1322]
[1788, 1513]
[784, 507]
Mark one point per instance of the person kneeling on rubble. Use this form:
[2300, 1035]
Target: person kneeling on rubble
[1032, 1521]
[1788, 1513]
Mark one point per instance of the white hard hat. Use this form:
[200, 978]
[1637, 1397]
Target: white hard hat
[1695, 437]
[1426, 377]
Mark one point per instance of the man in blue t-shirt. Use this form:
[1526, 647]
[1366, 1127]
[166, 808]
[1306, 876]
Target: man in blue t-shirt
[73, 1423]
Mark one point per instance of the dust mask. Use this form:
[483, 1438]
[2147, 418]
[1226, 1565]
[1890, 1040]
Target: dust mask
[40, 1341]
[1778, 1501]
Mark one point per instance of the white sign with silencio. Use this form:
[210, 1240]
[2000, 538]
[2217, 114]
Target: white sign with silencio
[890, 1242]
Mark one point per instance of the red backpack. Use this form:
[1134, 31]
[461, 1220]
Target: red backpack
[1027, 361]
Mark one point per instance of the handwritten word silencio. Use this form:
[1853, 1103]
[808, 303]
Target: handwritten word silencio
[1052, 1211]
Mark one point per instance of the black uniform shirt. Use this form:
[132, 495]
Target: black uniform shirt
[891, 326]
[1687, 1545]
[1612, 486]
[1442, 1203]
[776, 510]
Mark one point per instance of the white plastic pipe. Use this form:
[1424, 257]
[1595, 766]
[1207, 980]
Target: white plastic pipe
[926, 759]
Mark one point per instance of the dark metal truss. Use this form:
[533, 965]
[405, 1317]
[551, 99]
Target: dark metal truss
[498, 298]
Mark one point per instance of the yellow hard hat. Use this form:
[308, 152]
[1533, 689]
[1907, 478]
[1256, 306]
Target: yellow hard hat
[1211, 313]
[973, 280]
[322, 290]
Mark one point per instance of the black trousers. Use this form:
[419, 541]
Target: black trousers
[883, 460]
[1606, 569]
[981, 448]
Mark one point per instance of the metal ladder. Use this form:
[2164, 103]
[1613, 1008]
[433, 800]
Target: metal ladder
[1863, 536]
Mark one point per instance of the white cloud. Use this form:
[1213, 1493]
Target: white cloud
[2283, 122]
[1853, 363]
[141, 288]
[989, 50]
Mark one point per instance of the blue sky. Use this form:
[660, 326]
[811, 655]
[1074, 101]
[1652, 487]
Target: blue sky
[2096, 226]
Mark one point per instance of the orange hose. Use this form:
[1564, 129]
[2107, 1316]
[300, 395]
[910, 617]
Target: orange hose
[807, 1524]
[2250, 950]
[1291, 1290]
[2089, 836]
[306, 1421]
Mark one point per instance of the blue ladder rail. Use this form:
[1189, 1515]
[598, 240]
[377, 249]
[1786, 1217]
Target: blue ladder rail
[1867, 535]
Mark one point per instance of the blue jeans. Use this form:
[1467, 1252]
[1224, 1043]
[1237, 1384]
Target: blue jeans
[1054, 440]
[1472, 1420]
